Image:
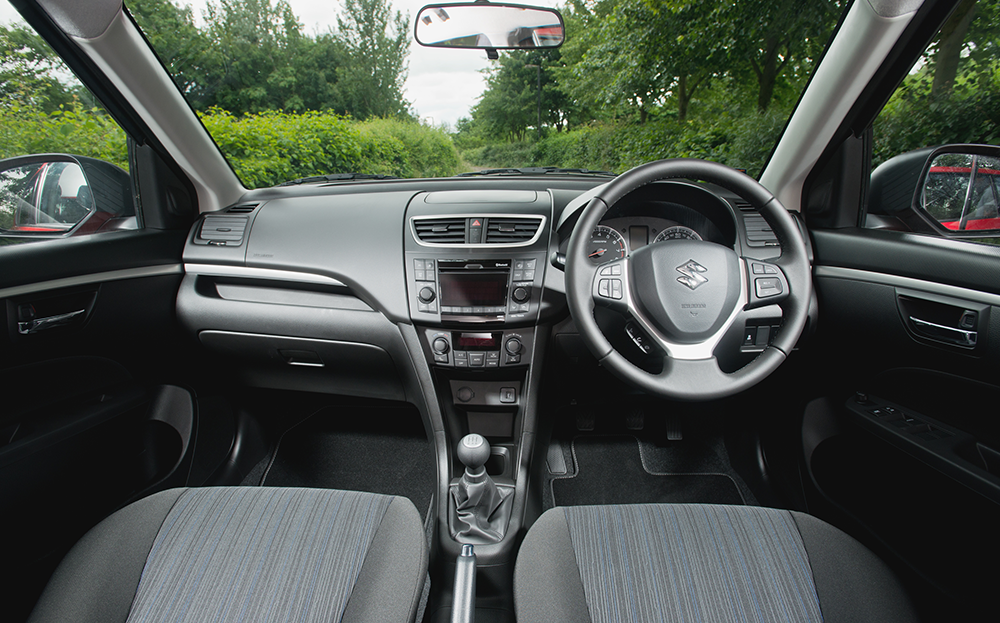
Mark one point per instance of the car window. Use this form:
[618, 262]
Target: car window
[951, 96]
[63, 158]
[299, 89]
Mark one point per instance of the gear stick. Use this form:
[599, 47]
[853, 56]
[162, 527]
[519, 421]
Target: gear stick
[482, 509]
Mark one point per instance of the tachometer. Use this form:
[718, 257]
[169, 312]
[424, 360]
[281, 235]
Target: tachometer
[677, 232]
[605, 244]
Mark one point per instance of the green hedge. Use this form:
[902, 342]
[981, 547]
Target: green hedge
[273, 147]
[83, 133]
[264, 149]
[745, 143]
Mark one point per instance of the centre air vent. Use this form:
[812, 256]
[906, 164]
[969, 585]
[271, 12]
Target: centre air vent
[507, 230]
[759, 233]
[440, 230]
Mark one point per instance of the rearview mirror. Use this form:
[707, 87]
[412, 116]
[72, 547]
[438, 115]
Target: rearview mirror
[484, 26]
[959, 191]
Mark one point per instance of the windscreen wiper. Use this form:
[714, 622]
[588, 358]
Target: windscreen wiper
[338, 177]
[537, 171]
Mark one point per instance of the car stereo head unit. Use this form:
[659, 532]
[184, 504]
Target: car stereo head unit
[475, 290]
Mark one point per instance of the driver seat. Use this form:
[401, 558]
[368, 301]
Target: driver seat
[699, 562]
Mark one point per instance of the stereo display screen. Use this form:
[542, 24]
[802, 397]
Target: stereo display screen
[473, 290]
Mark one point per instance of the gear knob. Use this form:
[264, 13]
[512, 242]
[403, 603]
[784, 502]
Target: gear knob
[473, 451]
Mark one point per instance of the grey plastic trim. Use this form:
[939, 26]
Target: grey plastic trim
[862, 44]
[219, 270]
[81, 280]
[837, 272]
[123, 55]
[484, 214]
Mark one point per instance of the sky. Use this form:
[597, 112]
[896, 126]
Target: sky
[442, 85]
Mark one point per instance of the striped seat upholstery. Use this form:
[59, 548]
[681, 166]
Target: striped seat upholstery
[659, 562]
[246, 554]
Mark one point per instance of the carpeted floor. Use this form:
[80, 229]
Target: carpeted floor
[619, 469]
[370, 449]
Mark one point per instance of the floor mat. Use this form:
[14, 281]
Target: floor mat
[629, 482]
[376, 450]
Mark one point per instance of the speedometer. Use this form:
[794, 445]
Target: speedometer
[605, 244]
[678, 232]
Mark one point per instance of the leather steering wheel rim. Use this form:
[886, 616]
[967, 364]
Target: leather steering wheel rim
[693, 379]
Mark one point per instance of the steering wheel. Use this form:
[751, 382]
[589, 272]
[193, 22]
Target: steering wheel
[686, 295]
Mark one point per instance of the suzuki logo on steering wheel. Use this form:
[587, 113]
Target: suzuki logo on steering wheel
[691, 274]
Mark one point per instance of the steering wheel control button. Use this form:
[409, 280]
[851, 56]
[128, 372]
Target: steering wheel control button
[508, 395]
[767, 287]
[616, 289]
[638, 338]
[604, 288]
[614, 270]
[763, 269]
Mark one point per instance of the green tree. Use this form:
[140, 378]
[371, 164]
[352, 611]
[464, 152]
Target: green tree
[777, 40]
[251, 55]
[28, 69]
[376, 42]
[178, 42]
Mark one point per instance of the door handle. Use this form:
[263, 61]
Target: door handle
[952, 335]
[49, 322]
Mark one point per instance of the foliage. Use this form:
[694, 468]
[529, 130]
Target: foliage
[274, 147]
[28, 70]
[89, 133]
[376, 43]
[963, 106]
[253, 56]
[617, 146]
[711, 78]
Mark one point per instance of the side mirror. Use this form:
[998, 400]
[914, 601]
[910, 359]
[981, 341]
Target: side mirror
[57, 195]
[488, 26]
[958, 192]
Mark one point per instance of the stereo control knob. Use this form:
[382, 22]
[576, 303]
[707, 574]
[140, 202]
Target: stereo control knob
[426, 295]
[440, 346]
[521, 294]
[513, 346]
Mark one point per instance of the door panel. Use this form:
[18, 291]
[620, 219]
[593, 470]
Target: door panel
[95, 408]
[901, 440]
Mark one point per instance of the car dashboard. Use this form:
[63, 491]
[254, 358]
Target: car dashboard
[290, 283]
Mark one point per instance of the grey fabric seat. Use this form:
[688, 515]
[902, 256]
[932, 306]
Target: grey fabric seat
[245, 554]
[658, 562]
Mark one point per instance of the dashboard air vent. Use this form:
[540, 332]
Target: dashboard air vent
[224, 231]
[246, 208]
[507, 230]
[759, 233]
[440, 230]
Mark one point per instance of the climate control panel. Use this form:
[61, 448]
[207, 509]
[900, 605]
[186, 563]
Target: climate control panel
[479, 349]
